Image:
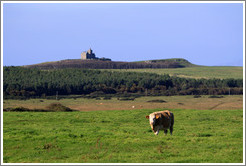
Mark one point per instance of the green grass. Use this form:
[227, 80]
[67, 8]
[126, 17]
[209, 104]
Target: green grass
[207, 72]
[204, 136]
[181, 61]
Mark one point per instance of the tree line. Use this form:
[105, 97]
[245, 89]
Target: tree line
[27, 82]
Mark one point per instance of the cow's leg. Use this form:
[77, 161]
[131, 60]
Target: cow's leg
[171, 130]
[165, 131]
[157, 132]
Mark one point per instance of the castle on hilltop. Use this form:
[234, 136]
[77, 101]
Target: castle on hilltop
[90, 55]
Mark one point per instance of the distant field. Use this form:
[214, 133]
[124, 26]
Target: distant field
[175, 102]
[207, 72]
[204, 136]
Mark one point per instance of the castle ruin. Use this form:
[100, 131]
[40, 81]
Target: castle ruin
[88, 55]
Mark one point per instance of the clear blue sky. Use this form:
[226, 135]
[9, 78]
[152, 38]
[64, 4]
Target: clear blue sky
[203, 33]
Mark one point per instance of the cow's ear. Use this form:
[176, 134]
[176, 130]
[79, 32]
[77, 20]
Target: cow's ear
[147, 116]
[157, 116]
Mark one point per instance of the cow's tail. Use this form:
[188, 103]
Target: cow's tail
[172, 119]
[172, 122]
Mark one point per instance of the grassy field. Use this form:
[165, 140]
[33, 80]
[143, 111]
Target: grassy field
[206, 72]
[232, 102]
[206, 130]
[200, 136]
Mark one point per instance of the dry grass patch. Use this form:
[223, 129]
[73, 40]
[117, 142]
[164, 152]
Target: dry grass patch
[172, 102]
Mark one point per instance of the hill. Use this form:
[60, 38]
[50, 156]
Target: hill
[99, 64]
[180, 61]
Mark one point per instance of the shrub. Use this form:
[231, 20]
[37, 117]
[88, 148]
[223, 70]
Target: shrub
[126, 98]
[58, 107]
[157, 101]
[23, 109]
[54, 107]
[17, 109]
[214, 96]
[107, 98]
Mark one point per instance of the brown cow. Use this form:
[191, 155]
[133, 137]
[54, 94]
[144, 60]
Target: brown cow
[162, 120]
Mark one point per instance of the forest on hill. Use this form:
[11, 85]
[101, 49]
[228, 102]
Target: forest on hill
[19, 82]
[100, 64]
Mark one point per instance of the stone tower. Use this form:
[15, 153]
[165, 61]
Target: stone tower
[89, 51]
[88, 55]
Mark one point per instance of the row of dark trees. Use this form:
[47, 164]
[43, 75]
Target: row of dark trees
[25, 82]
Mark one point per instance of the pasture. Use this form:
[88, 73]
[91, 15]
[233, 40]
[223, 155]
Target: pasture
[227, 102]
[122, 136]
[207, 72]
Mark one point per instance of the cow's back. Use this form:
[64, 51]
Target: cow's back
[166, 120]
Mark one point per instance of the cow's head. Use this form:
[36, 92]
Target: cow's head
[153, 118]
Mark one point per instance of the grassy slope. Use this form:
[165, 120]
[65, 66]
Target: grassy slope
[190, 71]
[207, 72]
[181, 61]
[122, 136]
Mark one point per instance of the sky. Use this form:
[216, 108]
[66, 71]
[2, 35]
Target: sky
[203, 33]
